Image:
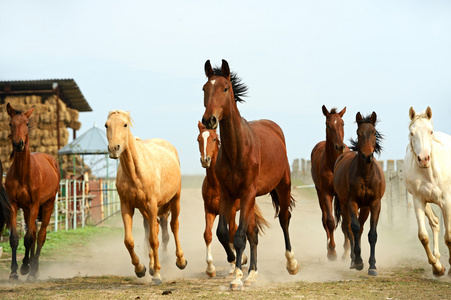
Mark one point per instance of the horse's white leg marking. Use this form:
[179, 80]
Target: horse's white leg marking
[292, 263]
[205, 136]
[236, 283]
[210, 267]
[435, 226]
[251, 278]
[423, 234]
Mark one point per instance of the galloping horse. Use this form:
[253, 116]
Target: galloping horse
[359, 182]
[209, 146]
[427, 177]
[323, 158]
[149, 179]
[32, 183]
[252, 161]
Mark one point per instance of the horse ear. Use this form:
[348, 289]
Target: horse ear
[411, 113]
[325, 111]
[225, 69]
[358, 117]
[200, 126]
[10, 110]
[342, 112]
[429, 113]
[373, 118]
[29, 112]
[208, 69]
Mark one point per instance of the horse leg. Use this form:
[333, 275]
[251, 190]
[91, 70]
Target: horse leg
[47, 209]
[232, 230]
[151, 216]
[127, 213]
[355, 227]
[14, 243]
[349, 236]
[283, 191]
[252, 237]
[372, 236]
[181, 262]
[209, 219]
[330, 227]
[30, 237]
[420, 206]
[164, 232]
[222, 231]
[148, 251]
[447, 222]
[435, 226]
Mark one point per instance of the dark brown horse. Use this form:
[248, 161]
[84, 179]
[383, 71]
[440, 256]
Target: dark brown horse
[209, 147]
[32, 183]
[323, 158]
[252, 161]
[359, 182]
[5, 206]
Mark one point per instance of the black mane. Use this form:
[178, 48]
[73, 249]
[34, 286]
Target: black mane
[238, 87]
[379, 137]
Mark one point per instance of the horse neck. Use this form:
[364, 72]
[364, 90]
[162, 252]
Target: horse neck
[233, 135]
[129, 158]
[22, 163]
[366, 170]
[211, 175]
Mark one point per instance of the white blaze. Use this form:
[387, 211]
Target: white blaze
[205, 135]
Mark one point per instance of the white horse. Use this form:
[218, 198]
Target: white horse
[427, 177]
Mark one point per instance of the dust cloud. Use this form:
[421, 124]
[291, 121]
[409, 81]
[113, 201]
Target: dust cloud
[397, 245]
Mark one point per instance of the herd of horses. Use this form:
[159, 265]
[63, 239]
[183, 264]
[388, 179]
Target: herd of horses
[246, 160]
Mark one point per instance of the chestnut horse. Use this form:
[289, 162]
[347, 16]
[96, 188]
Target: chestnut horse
[359, 182]
[209, 146]
[32, 183]
[323, 158]
[252, 161]
[148, 178]
[427, 177]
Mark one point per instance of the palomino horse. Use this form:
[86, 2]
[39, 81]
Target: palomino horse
[252, 161]
[323, 158]
[359, 182]
[32, 183]
[148, 178]
[209, 146]
[427, 177]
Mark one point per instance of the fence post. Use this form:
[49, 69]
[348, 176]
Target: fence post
[83, 204]
[67, 204]
[75, 204]
[56, 212]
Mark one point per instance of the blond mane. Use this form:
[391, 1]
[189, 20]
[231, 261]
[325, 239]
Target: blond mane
[124, 113]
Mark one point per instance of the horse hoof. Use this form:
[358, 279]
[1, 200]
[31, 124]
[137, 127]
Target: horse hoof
[157, 281]
[332, 255]
[32, 278]
[295, 270]
[13, 277]
[25, 269]
[142, 273]
[211, 274]
[372, 272]
[236, 286]
[439, 273]
[359, 267]
[181, 266]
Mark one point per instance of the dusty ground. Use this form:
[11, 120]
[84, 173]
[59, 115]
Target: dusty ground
[103, 269]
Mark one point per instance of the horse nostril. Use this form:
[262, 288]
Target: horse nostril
[204, 121]
[428, 158]
[118, 147]
[419, 159]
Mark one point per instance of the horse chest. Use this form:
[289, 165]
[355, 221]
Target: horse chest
[133, 193]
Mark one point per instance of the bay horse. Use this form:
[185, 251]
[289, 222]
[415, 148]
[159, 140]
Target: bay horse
[32, 183]
[323, 158]
[251, 162]
[427, 177]
[359, 182]
[148, 178]
[5, 205]
[209, 147]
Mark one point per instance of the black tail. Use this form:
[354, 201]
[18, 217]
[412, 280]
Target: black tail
[337, 210]
[5, 209]
[276, 202]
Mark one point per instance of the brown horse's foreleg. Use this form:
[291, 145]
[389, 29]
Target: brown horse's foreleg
[208, 235]
[328, 224]
[252, 237]
[30, 217]
[355, 227]
[14, 243]
[47, 209]
[222, 232]
[181, 262]
[127, 218]
[372, 236]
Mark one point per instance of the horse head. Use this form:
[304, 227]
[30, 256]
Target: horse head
[421, 136]
[20, 124]
[334, 128]
[368, 138]
[117, 132]
[208, 145]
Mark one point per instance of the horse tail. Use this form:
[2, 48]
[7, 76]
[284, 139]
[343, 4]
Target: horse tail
[5, 209]
[262, 224]
[276, 202]
[337, 210]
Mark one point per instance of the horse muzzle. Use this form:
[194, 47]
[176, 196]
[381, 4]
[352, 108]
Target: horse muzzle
[339, 148]
[18, 146]
[210, 123]
[424, 162]
[205, 162]
[114, 152]
[368, 159]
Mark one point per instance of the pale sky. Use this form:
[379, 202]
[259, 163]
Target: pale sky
[148, 57]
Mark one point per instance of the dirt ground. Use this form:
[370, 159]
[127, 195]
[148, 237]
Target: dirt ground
[103, 269]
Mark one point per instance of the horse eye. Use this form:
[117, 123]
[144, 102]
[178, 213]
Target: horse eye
[28, 124]
[226, 89]
[10, 125]
[214, 140]
[432, 132]
[125, 125]
[106, 126]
